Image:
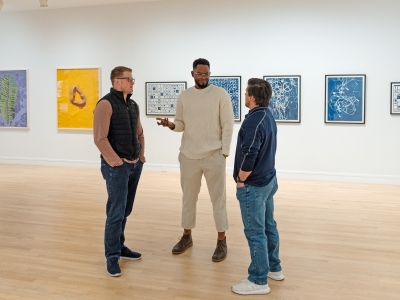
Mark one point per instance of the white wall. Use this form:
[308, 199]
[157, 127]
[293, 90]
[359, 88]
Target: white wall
[251, 38]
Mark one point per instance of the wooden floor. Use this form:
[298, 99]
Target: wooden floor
[338, 240]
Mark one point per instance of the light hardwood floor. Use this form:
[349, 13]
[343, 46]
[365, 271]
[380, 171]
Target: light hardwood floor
[338, 240]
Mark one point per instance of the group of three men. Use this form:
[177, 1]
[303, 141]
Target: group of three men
[204, 114]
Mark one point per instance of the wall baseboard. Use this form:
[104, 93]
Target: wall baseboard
[339, 177]
[284, 174]
[50, 162]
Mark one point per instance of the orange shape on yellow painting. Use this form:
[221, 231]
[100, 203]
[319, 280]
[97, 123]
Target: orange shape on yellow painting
[72, 95]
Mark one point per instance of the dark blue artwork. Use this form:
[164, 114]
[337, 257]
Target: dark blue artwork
[232, 85]
[345, 98]
[161, 97]
[285, 100]
[13, 99]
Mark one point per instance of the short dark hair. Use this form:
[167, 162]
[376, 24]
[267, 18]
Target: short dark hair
[261, 90]
[201, 61]
[118, 71]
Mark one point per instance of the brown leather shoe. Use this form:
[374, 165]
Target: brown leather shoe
[184, 243]
[220, 251]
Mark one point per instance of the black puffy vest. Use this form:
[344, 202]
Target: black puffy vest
[122, 134]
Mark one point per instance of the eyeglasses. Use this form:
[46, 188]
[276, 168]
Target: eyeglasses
[203, 75]
[130, 79]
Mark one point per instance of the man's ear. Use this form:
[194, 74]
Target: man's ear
[192, 73]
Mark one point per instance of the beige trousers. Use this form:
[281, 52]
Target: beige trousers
[214, 169]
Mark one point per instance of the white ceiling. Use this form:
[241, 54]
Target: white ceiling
[23, 5]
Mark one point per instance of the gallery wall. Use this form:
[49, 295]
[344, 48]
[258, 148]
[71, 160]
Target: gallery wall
[251, 38]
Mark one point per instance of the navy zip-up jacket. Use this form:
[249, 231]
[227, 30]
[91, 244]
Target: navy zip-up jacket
[256, 147]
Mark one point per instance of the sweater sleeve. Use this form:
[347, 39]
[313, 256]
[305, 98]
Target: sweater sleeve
[226, 120]
[101, 126]
[178, 121]
[250, 147]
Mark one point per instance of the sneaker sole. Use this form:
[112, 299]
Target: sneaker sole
[115, 275]
[277, 278]
[130, 258]
[190, 245]
[260, 292]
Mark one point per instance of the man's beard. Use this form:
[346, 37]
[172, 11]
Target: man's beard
[201, 86]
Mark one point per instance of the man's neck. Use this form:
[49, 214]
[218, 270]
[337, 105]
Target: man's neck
[201, 88]
[123, 94]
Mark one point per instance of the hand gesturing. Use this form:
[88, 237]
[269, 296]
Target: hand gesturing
[165, 123]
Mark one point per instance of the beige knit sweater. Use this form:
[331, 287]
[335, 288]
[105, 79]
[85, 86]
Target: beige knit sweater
[206, 118]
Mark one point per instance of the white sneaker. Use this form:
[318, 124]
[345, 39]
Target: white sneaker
[247, 287]
[276, 275]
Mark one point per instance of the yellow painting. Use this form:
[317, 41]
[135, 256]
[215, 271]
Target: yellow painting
[77, 96]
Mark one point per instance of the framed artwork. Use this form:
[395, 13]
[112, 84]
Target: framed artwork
[285, 100]
[232, 84]
[345, 99]
[395, 97]
[77, 95]
[14, 99]
[161, 97]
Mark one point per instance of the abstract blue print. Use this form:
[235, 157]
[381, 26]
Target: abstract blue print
[345, 98]
[232, 85]
[161, 97]
[13, 99]
[285, 100]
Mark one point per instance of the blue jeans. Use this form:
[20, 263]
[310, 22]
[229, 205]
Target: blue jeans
[260, 229]
[121, 182]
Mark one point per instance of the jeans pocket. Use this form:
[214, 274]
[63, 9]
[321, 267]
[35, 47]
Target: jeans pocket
[118, 171]
[104, 168]
[241, 193]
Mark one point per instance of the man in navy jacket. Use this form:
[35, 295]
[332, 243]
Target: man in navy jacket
[255, 175]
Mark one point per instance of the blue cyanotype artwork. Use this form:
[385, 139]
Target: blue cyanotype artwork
[13, 99]
[345, 98]
[161, 97]
[285, 100]
[395, 102]
[232, 85]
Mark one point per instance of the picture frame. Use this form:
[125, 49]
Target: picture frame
[394, 98]
[285, 103]
[232, 84]
[345, 99]
[161, 97]
[14, 104]
[78, 91]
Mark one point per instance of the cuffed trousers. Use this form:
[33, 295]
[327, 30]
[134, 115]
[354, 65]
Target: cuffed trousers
[214, 169]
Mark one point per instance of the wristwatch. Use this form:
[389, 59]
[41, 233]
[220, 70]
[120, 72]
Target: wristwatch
[239, 180]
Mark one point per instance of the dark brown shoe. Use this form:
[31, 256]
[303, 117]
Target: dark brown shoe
[184, 243]
[221, 251]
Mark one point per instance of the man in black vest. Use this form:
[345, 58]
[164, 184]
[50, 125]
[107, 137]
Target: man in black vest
[118, 134]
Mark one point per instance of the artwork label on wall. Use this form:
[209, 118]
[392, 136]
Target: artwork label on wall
[14, 99]
[285, 100]
[395, 97]
[77, 95]
[345, 99]
[232, 84]
[161, 97]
